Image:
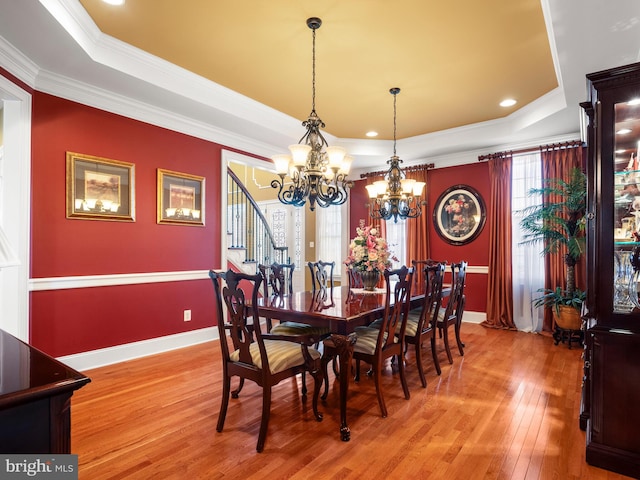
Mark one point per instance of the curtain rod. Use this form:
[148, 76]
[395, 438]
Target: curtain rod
[542, 148]
[414, 168]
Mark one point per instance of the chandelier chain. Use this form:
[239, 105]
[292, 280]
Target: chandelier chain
[313, 73]
[395, 97]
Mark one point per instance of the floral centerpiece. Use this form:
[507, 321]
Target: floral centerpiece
[369, 255]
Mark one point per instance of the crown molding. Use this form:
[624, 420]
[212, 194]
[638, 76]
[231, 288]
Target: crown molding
[14, 62]
[102, 99]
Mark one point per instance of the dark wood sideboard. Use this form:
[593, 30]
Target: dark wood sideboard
[35, 399]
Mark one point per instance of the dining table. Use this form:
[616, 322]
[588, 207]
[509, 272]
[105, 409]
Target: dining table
[341, 309]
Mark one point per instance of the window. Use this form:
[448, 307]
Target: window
[527, 264]
[397, 240]
[332, 241]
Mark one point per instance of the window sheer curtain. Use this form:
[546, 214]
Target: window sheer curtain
[528, 267]
[500, 286]
[396, 235]
[557, 162]
[330, 244]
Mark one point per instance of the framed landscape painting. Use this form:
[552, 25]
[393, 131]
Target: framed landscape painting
[99, 188]
[180, 198]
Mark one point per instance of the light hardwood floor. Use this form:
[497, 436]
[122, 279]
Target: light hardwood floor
[508, 409]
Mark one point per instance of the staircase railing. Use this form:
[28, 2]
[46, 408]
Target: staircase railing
[247, 228]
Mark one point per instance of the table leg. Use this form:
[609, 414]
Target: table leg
[344, 348]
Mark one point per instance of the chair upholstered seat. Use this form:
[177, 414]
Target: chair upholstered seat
[281, 355]
[412, 325]
[367, 339]
[375, 324]
[295, 328]
[411, 329]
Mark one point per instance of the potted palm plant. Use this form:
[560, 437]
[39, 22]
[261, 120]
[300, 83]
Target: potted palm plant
[557, 222]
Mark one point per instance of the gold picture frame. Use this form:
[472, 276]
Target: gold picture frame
[99, 188]
[180, 198]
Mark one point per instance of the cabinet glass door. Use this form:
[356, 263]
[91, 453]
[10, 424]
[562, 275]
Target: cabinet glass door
[626, 206]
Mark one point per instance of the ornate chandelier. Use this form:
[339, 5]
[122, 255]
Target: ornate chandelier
[396, 196]
[318, 172]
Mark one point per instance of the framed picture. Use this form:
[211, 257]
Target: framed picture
[99, 188]
[459, 215]
[180, 198]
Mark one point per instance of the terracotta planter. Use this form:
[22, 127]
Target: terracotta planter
[569, 318]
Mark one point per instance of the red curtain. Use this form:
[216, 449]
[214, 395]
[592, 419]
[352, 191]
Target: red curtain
[418, 228]
[557, 162]
[500, 282]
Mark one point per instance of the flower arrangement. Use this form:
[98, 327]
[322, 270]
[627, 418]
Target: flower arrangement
[368, 252]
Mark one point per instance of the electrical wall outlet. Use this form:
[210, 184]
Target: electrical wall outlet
[187, 315]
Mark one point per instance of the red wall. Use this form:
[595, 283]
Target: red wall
[475, 175]
[70, 321]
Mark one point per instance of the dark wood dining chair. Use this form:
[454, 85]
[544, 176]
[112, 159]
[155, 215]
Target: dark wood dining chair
[279, 282]
[321, 275]
[418, 278]
[263, 358]
[451, 315]
[279, 278]
[375, 345]
[421, 322]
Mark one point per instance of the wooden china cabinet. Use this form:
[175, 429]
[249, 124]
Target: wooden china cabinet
[611, 390]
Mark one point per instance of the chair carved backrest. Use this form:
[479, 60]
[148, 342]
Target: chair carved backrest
[396, 307]
[455, 306]
[355, 278]
[418, 277]
[237, 323]
[433, 275]
[277, 278]
[321, 275]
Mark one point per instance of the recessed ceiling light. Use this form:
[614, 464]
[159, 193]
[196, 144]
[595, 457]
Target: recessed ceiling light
[114, 2]
[508, 102]
[623, 131]
[371, 134]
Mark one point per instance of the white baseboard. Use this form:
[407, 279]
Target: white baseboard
[473, 317]
[120, 353]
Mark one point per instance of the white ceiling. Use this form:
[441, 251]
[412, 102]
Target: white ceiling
[55, 46]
